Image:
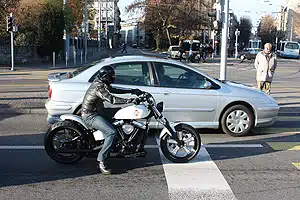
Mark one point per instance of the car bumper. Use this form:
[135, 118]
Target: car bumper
[53, 119]
[284, 55]
[266, 116]
[55, 109]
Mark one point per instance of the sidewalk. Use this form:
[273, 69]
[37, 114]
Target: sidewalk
[104, 53]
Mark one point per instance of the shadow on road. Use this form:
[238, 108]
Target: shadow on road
[233, 153]
[7, 112]
[35, 166]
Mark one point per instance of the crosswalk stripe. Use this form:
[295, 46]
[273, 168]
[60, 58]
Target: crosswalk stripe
[198, 179]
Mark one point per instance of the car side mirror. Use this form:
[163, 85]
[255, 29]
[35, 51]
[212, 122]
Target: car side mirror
[207, 84]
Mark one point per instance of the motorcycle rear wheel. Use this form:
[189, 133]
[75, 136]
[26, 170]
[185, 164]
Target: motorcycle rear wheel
[63, 130]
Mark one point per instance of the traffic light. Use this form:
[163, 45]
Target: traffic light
[216, 13]
[10, 24]
[90, 27]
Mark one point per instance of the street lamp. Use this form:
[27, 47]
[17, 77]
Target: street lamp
[237, 33]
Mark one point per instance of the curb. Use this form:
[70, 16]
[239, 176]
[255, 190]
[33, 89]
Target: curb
[23, 111]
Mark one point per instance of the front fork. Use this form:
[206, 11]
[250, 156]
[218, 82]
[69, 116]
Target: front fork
[173, 132]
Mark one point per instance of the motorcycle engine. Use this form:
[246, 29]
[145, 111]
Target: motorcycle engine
[128, 129]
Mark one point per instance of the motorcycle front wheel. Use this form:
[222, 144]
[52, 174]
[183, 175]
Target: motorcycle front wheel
[192, 144]
[59, 134]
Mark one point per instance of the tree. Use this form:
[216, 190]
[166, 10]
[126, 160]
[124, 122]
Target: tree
[267, 29]
[245, 27]
[170, 18]
[42, 23]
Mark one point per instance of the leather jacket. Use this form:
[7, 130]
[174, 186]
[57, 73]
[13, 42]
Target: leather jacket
[98, 92]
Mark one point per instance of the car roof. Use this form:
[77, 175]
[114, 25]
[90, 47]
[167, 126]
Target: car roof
[117, 59]
[111, 61]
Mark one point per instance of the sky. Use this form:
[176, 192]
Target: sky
[252, 8]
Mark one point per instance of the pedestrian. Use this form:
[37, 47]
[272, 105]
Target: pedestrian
[124, 48]
[181, 53]
[265, 64]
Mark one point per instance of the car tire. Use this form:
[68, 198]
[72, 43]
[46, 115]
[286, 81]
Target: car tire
[242, 57]
[237, 121]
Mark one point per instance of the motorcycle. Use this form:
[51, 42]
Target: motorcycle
[70, 140]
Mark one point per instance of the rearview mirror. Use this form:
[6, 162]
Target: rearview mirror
[207, 84]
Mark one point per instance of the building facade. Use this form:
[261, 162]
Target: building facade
[288, 20]
[108, 21]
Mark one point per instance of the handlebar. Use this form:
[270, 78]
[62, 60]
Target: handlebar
[145, 97]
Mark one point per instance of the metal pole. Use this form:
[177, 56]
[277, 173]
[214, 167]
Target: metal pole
[81, 56]
[74, 54]
[213, 37]
[106, 25]
[204, 35]
[224, 42]
[99, 26]
[67, 39]
[12, 45]
[66, 58]
[236, 44]
[85, 30]
[291, 38]
[53, 59]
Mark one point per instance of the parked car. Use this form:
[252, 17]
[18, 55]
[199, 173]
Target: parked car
[248, 53]
[173, 52]
[188, 94]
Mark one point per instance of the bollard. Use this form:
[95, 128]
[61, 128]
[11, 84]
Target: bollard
[81, 56]
[53, 59]
[66, 58]
[74, 56]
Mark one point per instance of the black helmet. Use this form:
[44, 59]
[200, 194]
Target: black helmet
[107, 74]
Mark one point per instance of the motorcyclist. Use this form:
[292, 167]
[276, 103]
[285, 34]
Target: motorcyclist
[93, 110]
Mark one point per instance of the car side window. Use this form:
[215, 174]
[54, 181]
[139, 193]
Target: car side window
[136, 73]
[133, 73]
[174, 76]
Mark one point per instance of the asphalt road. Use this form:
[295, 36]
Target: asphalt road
[255, 167]
[260, 166]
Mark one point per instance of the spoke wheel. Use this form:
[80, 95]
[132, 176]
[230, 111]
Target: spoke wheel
[185, 153]
[59, 136]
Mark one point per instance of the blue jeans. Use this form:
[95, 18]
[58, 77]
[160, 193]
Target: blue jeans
[97, 122]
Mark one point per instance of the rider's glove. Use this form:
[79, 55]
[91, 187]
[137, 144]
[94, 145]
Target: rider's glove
[137, 92]
[131, 100]
[136, 101]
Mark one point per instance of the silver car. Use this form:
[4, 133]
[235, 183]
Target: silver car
[188, 94]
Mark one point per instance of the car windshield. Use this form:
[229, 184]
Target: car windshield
[83, 68]
[175, 48]
[292, 46]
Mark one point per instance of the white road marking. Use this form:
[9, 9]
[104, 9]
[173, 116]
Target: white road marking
[31, 147]
[21, 147]
[198, 179]
[233, 146]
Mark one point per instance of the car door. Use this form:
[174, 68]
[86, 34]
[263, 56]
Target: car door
[185, 96]
[131, 75]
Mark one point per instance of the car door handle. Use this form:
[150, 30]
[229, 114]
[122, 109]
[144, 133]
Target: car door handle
[166, 93]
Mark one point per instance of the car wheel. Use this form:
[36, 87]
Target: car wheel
[242, 57]
[237, 121]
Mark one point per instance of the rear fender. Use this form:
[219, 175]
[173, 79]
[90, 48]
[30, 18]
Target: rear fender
[73, 118]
